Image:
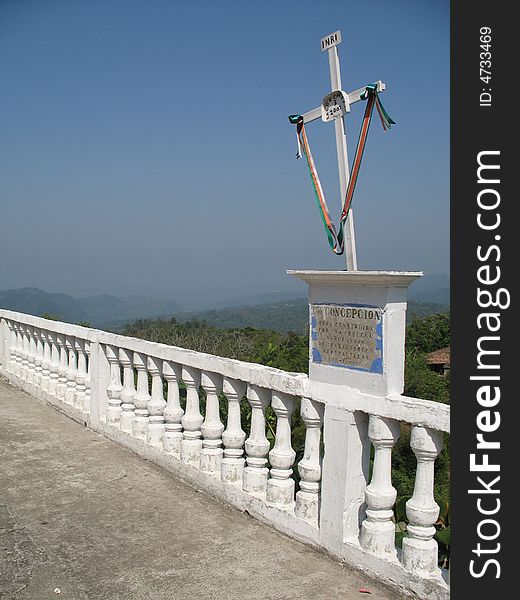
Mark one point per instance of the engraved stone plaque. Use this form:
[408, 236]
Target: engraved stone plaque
[348, 336]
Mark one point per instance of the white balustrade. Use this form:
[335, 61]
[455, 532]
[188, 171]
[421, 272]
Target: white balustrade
[81, 376]
[38, 358]
[128, 391]
[173, 412]
[15, 344]
[192, 419]
[141, 398]
[54, 364]
[114, 388]
[63, 367]
[419, 548]
[10, 354]
[88, 381]
[309, 467]
[280, 486]
[12, 348]
[24, 353]
[72, 369]
[378, 529]
[16, 361]
[46, 360]
[31, 352]
[257, 445]
[157, 404]
[212, 427]
[20, 353]
[233, 436]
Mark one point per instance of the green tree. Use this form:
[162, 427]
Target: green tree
[427, 334]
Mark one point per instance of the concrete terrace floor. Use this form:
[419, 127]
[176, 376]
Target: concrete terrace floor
[89, 519]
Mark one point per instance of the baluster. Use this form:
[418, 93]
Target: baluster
[38, 357]
[46, 360]
[378, 530]
[309, 468]
[128, 392]
[419, 548]
[157, 404]
[81, 375]
[141, 398]
[88, 381]
[24, 353]
[19, 352]
[31, 351]
[173, 412]
[31, 377]
[233, 437]
[212, 427]
[63, 368]
[257, 444]
[191, 444]
[12, 348]
[55, 363]
[72, 369]
[18, 347]
[280, 486]
[13, 363]
[114, 387]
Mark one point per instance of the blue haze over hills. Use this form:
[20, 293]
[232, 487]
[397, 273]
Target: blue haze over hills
[279, 310]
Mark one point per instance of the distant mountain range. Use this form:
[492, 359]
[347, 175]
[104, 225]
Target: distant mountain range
[290, 315]
[96, 310]
[276, 310]
[37, 302]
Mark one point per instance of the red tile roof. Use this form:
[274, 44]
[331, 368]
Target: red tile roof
[439, 357]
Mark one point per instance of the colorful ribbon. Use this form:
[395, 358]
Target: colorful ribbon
[336, 241]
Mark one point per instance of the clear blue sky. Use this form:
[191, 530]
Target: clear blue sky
[145, 147]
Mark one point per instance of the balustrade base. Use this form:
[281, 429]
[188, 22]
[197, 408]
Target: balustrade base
[172, 442]
[232, 470]
[60, 390]
[126, 421]
[211, 460]
[420, 556]
[140, 427]
[190, 452]
[79, 398]
[155, 433]
[69, 393]
[255, 480]
[378, 538]
[113, 414]
[307, 507]
[280, 492]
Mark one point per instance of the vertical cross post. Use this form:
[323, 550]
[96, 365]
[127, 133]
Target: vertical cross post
[343, 168]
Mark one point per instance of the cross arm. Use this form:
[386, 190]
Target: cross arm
[353, 97]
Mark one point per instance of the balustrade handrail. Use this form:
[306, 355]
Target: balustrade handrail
[415, 411]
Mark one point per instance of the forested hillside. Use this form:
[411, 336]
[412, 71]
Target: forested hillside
[289, 351]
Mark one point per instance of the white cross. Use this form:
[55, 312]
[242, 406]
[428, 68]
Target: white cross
[330, 43]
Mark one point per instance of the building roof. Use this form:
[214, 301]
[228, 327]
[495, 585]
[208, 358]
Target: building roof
[439, 357]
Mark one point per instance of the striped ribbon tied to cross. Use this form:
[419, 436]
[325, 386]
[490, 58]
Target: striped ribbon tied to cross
[335, 238]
